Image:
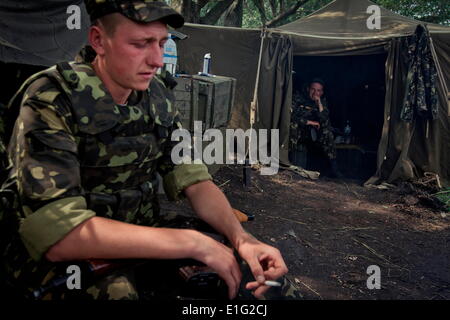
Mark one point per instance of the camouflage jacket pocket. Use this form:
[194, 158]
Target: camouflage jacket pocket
[98, 151]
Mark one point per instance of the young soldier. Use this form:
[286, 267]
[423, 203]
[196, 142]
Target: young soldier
[86, 147]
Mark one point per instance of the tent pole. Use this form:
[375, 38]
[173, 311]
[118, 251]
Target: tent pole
[253, 110]
[253, 104]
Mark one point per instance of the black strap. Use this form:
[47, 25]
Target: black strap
[72, 79]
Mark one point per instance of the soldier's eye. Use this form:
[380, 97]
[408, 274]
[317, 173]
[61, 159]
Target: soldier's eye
[139, 45]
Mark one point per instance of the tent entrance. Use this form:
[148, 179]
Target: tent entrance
[355, 91]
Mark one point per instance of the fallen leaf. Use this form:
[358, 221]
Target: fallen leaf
[292, 233]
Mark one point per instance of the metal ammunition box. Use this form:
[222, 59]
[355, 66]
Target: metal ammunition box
[206, 99]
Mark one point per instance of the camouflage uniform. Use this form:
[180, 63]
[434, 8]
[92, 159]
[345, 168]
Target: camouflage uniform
[304, 109]
[421, 92]
[77, 154]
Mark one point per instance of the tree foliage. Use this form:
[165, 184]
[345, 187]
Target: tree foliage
[242, 13]
[254, 20]
[434, 11]
[272, 13]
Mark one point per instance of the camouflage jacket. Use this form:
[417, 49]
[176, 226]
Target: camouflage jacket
[76, 154]
[304, 109]
[421, 96]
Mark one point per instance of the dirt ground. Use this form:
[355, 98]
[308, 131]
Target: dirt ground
[330, 231]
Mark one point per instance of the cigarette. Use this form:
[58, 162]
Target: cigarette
[272, 283]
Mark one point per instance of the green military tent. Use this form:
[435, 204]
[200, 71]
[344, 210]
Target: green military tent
[366, 69]
[38, 34]
[335, 39]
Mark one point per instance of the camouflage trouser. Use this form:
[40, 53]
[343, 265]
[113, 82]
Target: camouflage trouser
[325, 139]
[152, 279]
[122, 286]
[116, 286]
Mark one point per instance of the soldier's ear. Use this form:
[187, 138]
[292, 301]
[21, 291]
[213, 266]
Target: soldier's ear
[97, 39]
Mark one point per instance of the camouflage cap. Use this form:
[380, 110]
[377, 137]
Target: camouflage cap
[136, 10]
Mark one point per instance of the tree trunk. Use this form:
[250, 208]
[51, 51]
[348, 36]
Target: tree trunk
[190, 11]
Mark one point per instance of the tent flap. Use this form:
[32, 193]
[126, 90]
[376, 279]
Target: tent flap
[275, 89]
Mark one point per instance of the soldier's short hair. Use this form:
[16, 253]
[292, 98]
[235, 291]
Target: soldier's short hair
[108, 23]
[317, 80]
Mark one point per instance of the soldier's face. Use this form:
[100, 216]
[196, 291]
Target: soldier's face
[315, 90]
[133, 54]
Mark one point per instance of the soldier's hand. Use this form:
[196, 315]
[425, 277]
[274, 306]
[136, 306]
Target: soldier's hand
[221, 259]
[315, 124]
[318, 102]
[265, 262]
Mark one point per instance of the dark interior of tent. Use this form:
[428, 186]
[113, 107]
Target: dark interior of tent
[355, 92]
[16, 74]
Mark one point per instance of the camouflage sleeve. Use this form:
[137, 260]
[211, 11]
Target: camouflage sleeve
[177, 177]
[183, 176]
[299, 114]
[44, 154]
[303, 117]
[324, 117]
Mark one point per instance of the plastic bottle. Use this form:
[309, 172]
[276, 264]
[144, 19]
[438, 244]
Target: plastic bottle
[347, 129]
[170, 55]
[347, 132]
[207, 64]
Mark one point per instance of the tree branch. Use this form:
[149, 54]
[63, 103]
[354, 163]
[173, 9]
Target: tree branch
[177, 5]
[273, 7]
[287, 13]
[216, 12]
[202, 3]
[233, 15]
